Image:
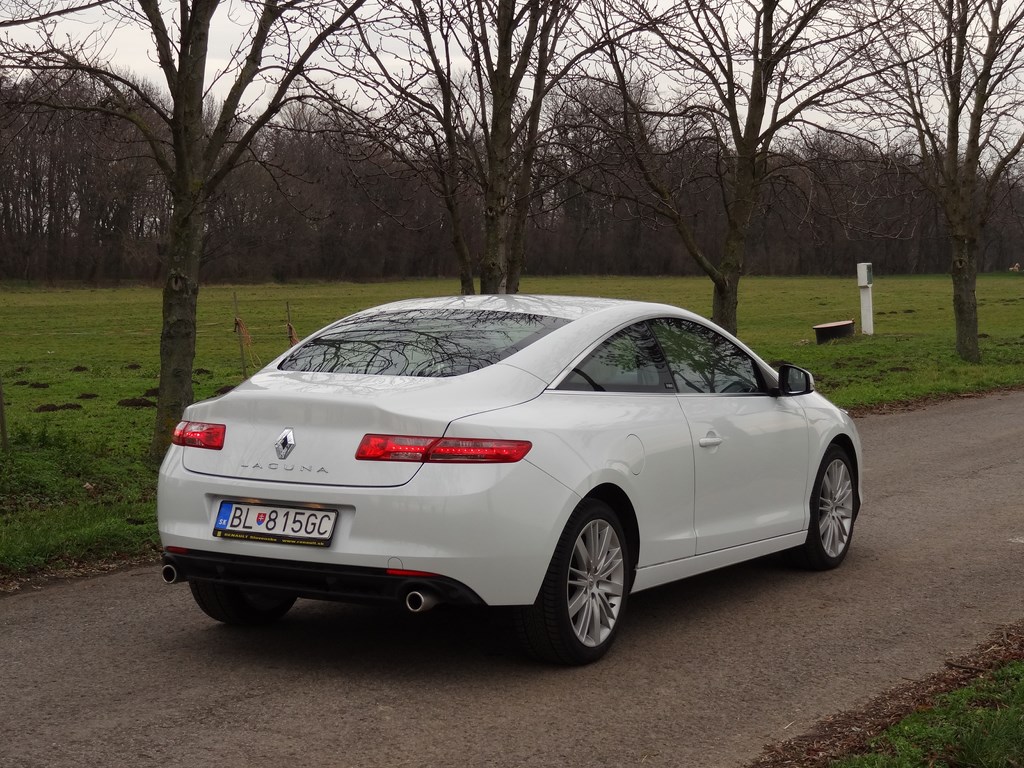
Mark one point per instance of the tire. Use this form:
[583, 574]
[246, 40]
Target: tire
[582, 600]
[240, 606]
[833, 509]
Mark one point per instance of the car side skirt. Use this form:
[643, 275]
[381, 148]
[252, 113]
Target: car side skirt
[663, 573]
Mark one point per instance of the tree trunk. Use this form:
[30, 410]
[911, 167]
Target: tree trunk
[459, 243]
[466, 284]
[178, 334]
[726, 298]
[516, 255]
[727, 275]
[965, 301]
[493, 263]
[517, 243]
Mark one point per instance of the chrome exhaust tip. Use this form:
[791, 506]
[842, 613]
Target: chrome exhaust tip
[420, 602]
[169, 574]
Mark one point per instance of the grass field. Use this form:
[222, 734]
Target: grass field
[78, 367]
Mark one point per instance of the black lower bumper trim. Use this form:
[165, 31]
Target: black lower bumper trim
[318, 581]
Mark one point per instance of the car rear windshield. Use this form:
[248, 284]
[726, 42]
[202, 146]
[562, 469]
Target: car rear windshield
[434, 343]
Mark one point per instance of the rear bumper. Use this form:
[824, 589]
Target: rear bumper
[490, 529]
[318, 581]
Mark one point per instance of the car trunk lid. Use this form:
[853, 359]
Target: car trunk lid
[300, 427]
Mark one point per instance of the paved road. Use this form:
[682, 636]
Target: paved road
[122, 670]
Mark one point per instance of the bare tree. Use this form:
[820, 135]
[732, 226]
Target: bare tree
[194, 143]
[44, 10]
[457, 95]
[733, 77]
[956, 94]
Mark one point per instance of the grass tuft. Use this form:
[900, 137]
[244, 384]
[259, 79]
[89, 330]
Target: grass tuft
[980, 726]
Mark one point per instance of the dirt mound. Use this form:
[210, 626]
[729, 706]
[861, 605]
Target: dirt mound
[136, 402]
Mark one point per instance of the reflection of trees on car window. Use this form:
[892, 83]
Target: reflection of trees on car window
[628, 361]
[702, 360]
[431, 343]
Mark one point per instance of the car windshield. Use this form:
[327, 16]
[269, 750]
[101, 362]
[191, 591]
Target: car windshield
[421, 342]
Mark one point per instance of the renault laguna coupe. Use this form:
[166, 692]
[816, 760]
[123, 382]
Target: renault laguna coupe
[550, 454]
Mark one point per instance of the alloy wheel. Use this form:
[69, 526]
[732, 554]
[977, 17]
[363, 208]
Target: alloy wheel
[596, 582]
[835, 508]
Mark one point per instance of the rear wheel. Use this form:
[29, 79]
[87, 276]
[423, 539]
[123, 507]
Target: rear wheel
[242, 606]
[583, 598]
[833, 511]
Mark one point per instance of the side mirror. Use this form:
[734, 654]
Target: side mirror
[794, 381]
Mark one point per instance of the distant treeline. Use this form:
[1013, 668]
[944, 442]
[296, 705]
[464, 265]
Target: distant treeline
[80, 199]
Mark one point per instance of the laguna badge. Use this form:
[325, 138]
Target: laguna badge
[285, 443]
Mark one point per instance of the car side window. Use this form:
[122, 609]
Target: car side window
[704, 361]
[628, 361]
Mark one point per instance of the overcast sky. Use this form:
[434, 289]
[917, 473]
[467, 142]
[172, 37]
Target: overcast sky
[131, 46]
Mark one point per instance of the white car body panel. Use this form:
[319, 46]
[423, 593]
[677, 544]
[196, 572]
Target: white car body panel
[330, 410]
[488, 528]
[733, 508]
[666, 573]
[640, 443]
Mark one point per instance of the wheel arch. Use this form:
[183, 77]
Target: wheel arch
[618, 500]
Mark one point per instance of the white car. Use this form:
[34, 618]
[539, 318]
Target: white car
[555, 454]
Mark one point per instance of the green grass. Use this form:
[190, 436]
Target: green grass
[68, 498]
[75, 485]
[981, 726]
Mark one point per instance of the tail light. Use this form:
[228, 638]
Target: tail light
[456, 450]
[199, 434]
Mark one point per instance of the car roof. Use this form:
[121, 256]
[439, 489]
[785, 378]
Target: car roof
[566, 307]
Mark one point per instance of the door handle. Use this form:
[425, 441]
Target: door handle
[711, 441]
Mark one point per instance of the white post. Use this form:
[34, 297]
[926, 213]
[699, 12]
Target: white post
[864, 281]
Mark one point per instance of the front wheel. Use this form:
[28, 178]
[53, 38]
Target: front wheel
[242, 606]
[581, 603]
[833, 511]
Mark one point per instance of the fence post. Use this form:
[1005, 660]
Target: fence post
[241, 341]
[293, 339]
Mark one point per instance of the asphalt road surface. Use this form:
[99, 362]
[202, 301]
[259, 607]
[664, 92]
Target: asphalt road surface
[122, 670]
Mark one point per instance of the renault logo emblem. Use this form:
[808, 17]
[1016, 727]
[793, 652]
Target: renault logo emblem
[285, 443]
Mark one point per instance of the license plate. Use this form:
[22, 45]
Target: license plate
[277, 525]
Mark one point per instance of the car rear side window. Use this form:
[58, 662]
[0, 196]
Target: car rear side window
[628, 361]
[703, 361]
[421, 342]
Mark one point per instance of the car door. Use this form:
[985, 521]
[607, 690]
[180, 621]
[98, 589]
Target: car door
[750, 448]
[627, 418]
